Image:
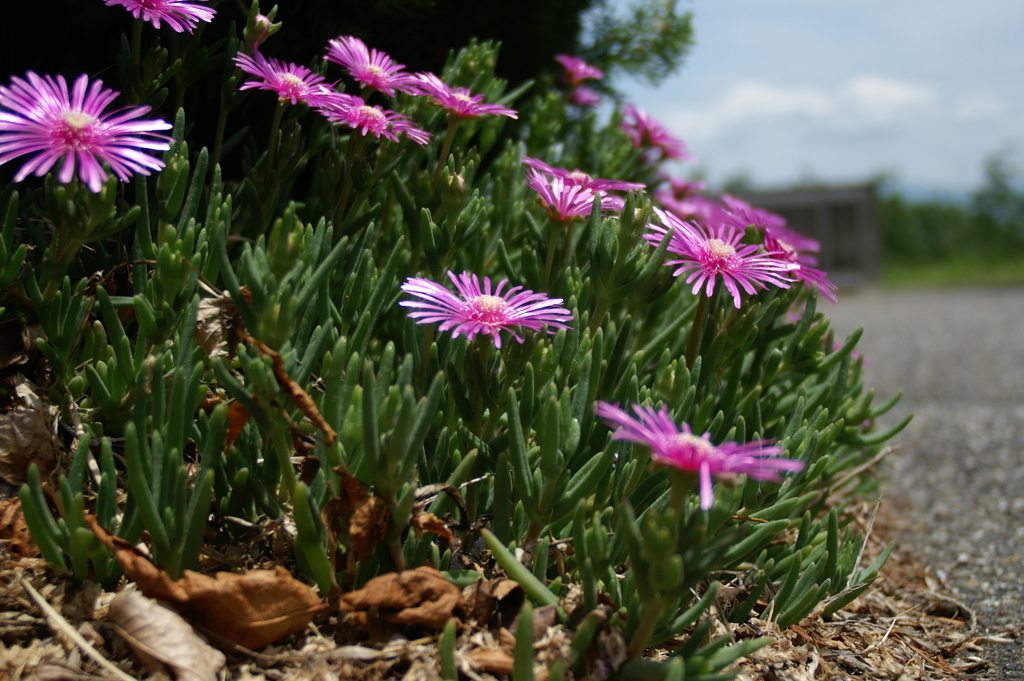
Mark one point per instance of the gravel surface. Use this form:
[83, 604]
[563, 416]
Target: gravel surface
[958, 356]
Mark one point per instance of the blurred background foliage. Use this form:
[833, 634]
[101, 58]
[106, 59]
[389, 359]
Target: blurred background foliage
[977, 240]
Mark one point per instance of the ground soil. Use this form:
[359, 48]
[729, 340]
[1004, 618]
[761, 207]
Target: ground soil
[956, 484]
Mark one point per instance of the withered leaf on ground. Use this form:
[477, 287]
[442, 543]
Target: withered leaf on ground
[253, 609]
[420, 597]
[492, 660]
[237, 418]
[482, 596]
[14, 531]
[294, 391]
[25, 437]
[428, 522]
[161, 635]
[356, 516]
[218, 325]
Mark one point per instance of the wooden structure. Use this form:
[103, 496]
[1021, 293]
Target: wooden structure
[845, 220]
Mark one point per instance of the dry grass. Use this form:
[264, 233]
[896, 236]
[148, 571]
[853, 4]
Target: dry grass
[905, 627]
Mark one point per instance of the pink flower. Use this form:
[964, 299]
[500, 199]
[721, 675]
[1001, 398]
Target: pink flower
[681, 189]
[564, 201]
[649, 133]
[482, 311]
[576, 70]
[716, 250]
[459, 102]
[372, 68]
[584, 96]
[291, 82]
[689, 453]
[180, 15]
[579, 178]
[698, 208]
[355, 113]
[41, 117]
[786, 244]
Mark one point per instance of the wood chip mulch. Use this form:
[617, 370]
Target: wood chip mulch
[905, 627]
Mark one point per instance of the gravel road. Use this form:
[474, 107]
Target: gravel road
[958, 356]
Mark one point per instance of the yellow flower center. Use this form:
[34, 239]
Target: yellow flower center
[720, 249]
[78, 119]
[76, 130]
[690, 441]
[487, 309]
[719, 255]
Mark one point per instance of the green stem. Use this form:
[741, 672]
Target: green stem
[275, 127]
[428, 340]
[137, 42]
[567, 252]
[284, 460]
[218, 140]
[649, 622]
[682, 487]
[600, 311]
[483, 344]
[354, 148]
[453, 125]
[697, 329]
[549, 260]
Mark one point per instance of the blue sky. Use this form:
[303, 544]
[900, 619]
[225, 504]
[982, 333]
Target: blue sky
[841, 90]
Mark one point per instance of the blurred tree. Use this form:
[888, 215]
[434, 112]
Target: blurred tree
[648, 40]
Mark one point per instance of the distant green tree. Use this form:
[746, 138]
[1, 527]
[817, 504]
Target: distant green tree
[990, 227]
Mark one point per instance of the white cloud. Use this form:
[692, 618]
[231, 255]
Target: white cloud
[973, 108]
[860, 102]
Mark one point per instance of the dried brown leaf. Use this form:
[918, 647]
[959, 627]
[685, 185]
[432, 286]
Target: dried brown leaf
[368, 527]
[25, 437]
[420, 597]
[428, 522]
[61, 671]
[161, 635]
[356, 516]
[218, 324]
[14, 531]
[295, 393]
[482, 596]
[491, 660]
[253, 609]
[237, 418]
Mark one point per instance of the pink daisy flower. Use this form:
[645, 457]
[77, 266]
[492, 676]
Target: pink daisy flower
[689, 453]
[681, 188]
[482, 311]
[579, 178]
[584, 96]
[180, 15]
[649, 133]
[291, 82]
[355, 113]
[741, 214]
[459, 101]
[575, 70]
[786, 244]
[698, 208]
[372, 68]
[564, 201]
[40, 116]
[717, 251]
